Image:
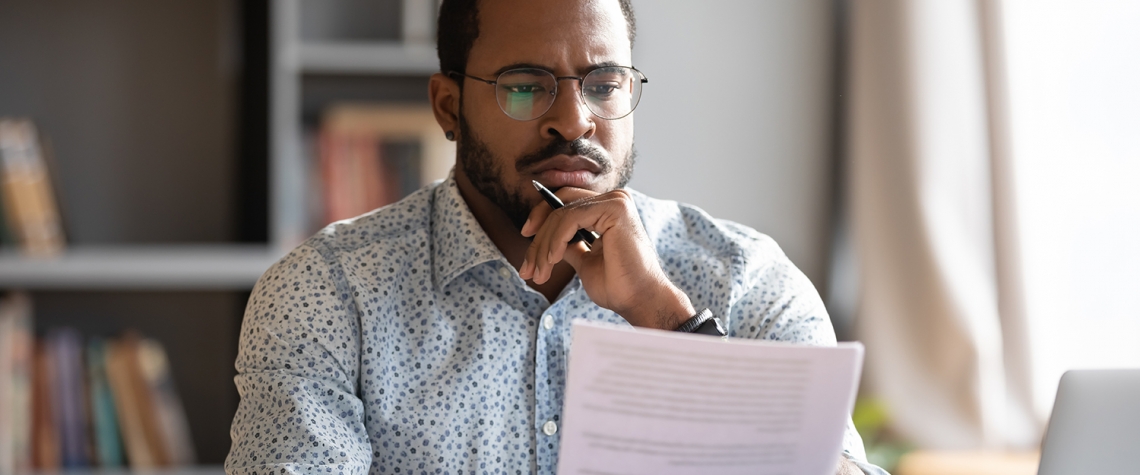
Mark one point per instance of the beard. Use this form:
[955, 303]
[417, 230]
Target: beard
[486, 173]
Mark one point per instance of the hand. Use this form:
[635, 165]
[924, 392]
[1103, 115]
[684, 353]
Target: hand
[620, 271]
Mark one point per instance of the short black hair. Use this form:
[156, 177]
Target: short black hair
[458, 28]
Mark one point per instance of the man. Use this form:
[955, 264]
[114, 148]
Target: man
[431, 336]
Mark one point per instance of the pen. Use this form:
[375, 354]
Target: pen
[554, 202]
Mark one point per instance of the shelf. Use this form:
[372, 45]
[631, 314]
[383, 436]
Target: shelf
[180, 267]
[368, 58]
[195, 470]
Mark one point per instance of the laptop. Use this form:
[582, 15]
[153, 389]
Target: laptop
[1095, 427]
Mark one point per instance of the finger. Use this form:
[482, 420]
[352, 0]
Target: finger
[526, 268]
[569, 194]
[577, 253]
[592, 214]
[538, 253]
[559, 227]
[538, 214]
[545, 244]
[552, 241]
[535, 219]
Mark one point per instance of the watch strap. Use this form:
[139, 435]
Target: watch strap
[713, 327]
[697, 321]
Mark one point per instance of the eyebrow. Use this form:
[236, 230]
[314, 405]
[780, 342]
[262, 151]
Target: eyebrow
[603, 64]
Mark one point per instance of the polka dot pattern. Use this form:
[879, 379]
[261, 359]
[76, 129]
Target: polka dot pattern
[402, 342]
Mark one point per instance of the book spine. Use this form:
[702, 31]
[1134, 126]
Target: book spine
[6, 236]
[375, 178]
[28, 196]
[20, 384]
[70, 396]
[105, 427]
[45, 438]
[155, 440]
[127, 408]
[15, 388]
[7, 327]
[168, 406]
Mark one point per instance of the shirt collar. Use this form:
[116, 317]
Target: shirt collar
[458, 241]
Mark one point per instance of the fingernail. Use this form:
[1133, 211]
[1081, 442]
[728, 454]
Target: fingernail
[523, 230]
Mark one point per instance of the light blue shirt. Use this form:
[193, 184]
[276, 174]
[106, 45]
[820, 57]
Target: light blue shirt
[402, 342]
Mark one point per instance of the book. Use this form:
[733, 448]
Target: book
[144, 397]
[31, 211]
[167, 405]
[6, 236]
[7, 327]
[45, 437]
[130, 406]
[69, 396]
[69, 405]
[104, 423]
[15, 383]
[373, 155]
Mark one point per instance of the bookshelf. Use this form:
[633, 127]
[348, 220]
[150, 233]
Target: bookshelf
[310, 56]
[364, 58]
[146, 249]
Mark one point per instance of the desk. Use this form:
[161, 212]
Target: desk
[922, 462]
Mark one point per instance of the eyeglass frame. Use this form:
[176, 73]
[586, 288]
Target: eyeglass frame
[581, 92]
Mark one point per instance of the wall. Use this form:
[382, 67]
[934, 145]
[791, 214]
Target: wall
[138, 100]
[737, 115]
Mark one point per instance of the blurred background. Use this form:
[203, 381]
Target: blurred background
[958, 179]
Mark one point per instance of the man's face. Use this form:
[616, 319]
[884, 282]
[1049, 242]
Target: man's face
[568, 145]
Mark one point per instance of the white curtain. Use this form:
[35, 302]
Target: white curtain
[994, 163]
[926, 195]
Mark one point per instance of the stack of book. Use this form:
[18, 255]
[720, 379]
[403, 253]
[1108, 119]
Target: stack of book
[29, 212]
[369, 156]
[70, 403]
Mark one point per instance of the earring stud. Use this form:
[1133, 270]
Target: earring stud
[449, 135]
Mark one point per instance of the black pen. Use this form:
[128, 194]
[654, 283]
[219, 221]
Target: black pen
[552, 200]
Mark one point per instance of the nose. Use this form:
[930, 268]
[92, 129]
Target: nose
[568, 118]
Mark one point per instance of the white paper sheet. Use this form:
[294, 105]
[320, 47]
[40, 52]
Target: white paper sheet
[664, 403]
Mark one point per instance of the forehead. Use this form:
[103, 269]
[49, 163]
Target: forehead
[564, 35]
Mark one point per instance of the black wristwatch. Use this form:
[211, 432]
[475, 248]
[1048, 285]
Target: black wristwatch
[705, 323]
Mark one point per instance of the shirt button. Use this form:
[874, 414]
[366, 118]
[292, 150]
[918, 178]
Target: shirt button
[548, 322]
[549, 428]
[504, 272]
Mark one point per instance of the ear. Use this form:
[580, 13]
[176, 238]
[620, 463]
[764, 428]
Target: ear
[443, 92]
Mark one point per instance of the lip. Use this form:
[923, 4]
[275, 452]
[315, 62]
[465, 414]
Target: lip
[566, 170]
[555, 179]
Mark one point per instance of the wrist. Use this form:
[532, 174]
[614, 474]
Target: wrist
[665, 309]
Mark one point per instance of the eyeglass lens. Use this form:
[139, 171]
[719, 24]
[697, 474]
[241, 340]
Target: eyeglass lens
[609, 92]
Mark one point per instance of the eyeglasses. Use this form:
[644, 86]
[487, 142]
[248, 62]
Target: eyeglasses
[610, 92]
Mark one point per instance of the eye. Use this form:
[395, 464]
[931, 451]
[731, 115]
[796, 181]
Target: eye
[524, 88]
[601, 90]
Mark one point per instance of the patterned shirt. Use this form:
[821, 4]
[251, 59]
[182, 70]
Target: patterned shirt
[403, 342]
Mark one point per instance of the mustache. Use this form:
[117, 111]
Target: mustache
[560, 146]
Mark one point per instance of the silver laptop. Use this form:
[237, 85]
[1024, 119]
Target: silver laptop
[1095, 427]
